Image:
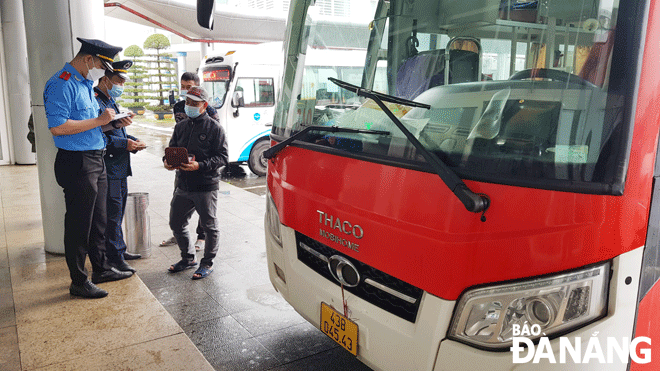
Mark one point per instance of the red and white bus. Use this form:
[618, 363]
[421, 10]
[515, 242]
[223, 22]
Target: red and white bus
[503, 179]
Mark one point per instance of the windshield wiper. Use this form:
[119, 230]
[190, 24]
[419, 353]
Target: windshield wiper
[274, 150]
[473, 202]
[383, 97]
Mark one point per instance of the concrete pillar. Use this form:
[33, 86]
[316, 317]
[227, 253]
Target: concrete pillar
[13, 31]
[52, 27]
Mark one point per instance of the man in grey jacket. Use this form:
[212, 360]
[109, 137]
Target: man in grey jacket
[197, 182]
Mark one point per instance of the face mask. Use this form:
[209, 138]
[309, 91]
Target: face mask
[94, 73]
[115, 91]
[183, 94]
[192, 111]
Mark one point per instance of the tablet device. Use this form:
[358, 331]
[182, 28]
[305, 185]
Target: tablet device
[175, 156]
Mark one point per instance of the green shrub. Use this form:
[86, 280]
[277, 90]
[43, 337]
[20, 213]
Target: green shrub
[159, 108]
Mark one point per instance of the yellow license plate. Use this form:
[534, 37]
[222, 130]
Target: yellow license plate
[339, 328]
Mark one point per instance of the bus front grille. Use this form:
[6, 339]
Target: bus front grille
[374, 286]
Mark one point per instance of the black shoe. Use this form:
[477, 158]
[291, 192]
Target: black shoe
[87, 290]
[129, 256]
[111, 274]
[124, 267]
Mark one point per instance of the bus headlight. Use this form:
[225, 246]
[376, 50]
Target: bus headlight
[488, 317]
[273, 220]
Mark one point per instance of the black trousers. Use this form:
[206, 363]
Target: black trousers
[181, 208]
[200, 230]
[116, 206]
[82, 176]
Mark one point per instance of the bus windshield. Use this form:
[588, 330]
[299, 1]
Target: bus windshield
[216, 82]
[521, 92]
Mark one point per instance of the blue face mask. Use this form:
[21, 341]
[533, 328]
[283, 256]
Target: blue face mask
[192, 111]
[183, 94]
[116, 91]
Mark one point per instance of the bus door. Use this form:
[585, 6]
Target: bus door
[250, 120]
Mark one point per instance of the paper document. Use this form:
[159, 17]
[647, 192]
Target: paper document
[122, 115]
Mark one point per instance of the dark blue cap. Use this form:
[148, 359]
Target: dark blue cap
[100, 49]
[120, 68]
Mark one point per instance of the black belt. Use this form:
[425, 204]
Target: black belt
[97, 152]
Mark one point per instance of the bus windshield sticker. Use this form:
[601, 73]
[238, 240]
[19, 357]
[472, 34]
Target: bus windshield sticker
[575, 154]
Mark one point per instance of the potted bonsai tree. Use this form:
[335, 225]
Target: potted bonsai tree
[133, 98]
[164, 75]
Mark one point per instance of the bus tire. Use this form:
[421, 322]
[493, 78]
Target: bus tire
[257, 163]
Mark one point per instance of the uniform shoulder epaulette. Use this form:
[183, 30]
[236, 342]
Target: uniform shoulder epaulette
[66, 75]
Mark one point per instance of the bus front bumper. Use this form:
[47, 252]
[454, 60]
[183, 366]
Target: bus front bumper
[387, 342]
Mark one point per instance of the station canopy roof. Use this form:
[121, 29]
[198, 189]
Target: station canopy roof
[180, 17]
[230, 24]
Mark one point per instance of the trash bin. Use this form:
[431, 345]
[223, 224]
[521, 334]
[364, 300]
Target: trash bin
[137, 231]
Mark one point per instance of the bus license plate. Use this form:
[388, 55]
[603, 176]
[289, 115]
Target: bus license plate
[339, 328]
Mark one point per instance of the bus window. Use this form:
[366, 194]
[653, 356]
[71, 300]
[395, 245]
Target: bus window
[216, 80]
[257, 92]
[513, 96]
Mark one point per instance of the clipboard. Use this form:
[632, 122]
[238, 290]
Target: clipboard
[176, 156]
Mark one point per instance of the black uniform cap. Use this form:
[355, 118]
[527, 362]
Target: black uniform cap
[100, 49]
[120, 68]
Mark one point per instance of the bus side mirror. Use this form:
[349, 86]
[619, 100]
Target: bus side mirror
[205, 9]
[237, 101]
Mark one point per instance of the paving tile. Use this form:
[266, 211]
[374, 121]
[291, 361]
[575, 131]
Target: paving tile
[21, 198]
[246, 212]
[248, 262]
[23, 238]
[162, 279]
[9, 354]
[89, 327]
[30, 254]
[296, 342]
[4, 255]
[188, 292]
[265, 320]
[255, 297]
[222, 284]
[7, 313]
[39, 304]
[336, 359]
[215, 333]
[198, 310]
[44, 276]
[171, 353]
[29, 221]
[19, 212]
[243, 355]
[259, 223]
[5, 278]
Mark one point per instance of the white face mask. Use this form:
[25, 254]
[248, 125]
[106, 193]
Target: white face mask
[94, 73]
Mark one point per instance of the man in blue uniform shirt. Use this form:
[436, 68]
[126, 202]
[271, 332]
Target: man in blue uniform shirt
[74, 120]
[117, 163]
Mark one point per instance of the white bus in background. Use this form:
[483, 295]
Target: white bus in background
[242, 85]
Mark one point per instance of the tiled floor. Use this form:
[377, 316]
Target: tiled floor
[43, 328]
[151, 321]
